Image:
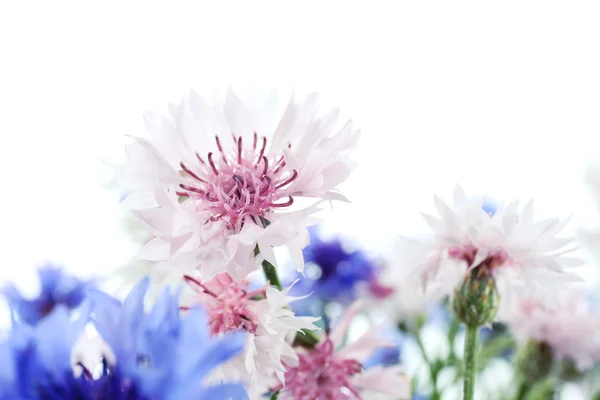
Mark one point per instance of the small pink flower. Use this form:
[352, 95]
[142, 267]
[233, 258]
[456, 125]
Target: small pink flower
[330, 372]
[568, 325]
[228, 304]
[320, 375]
[264, 314]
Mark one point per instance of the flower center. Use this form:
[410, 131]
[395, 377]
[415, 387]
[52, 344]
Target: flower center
[319, 375]
[228, 304]
[468, 252]
[244, 184]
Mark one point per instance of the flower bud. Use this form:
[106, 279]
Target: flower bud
[476, 300]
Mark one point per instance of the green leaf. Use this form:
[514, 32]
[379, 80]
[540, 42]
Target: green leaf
[306, 338]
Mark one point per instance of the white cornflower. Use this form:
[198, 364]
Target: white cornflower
[216, 179]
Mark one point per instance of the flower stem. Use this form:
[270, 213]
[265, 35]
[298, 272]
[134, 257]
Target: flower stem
[432, 371]
[470, 361]
[271, 274]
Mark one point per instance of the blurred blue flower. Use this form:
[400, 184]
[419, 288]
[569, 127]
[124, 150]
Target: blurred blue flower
[333, 274]
[160, 354]
[36, 360]
[57, 288]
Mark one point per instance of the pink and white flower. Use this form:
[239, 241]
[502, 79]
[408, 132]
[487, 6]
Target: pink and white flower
[399, 297]
[334, 371]
[517, 251]
[217, 178]
[570, 326]
[264, 314]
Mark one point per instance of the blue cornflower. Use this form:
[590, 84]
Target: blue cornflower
[36, 360]
[335, 276]
[160, 354]
[57, 288]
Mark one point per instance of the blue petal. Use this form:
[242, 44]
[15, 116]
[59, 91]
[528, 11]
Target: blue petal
[230, 391]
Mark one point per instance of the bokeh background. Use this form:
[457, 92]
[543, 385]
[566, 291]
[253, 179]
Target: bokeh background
[503, 98]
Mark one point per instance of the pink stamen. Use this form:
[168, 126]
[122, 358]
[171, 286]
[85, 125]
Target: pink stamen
[192, 189]
[221, 149]
[215, 218]
[262, 150]
[192, 281]
[194, 284]
[289, 202]
[239, 145]
[212, 164]
[266, 162]
[280, 164]
[239, 187]
[266, 188]
[288, 181]
[189, 172]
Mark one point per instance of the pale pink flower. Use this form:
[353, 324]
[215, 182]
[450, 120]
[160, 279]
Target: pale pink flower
[334, 371]
[397, 293]
[214, 171]
[570, 325]
[515, 249]
[264, 314]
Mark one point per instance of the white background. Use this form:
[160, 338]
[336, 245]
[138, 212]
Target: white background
[502, 97]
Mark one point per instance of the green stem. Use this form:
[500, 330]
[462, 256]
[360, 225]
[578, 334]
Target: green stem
[271, 274]
[432, 372]
[470, 361]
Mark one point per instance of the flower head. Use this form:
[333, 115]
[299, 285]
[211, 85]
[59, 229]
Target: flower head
[340, 270]
[570, 327]
[335, 273]
[160, 354]
[36, 360]
[333, 371]
[230, 306]
[509, 246]
[151, 356]
[263, 314]
[57, 288]
[214, 171]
